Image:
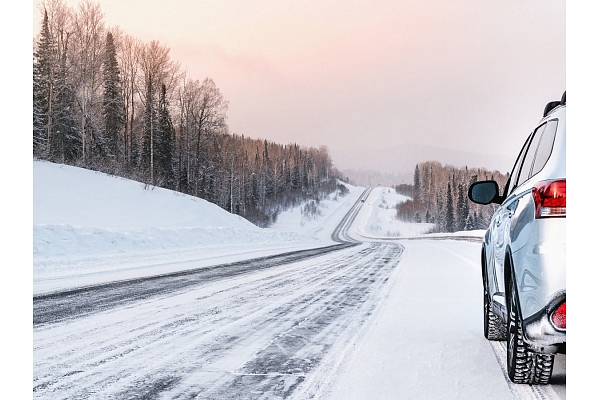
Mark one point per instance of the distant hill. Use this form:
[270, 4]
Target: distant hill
[368, 165]
[372, 178]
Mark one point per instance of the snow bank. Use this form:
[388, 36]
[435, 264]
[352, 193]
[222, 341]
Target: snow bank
[90, 227]
[74, 196]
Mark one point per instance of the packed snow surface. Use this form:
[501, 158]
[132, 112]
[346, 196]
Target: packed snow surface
[395, 317]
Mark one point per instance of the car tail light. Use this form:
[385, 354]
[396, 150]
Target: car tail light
[550, 199]
[559, 316]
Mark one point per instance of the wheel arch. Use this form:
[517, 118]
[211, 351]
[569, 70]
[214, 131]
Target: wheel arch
[509, 274]
[483, 264]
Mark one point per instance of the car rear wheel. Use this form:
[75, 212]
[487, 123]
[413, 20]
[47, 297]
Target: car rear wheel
[493, 326]
[524, 366]
[543, 368]
[518, 359]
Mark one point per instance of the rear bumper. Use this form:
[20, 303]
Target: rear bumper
[540, 335]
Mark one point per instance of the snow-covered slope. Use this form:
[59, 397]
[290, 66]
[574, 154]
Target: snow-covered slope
[90, 227]
[64, 194]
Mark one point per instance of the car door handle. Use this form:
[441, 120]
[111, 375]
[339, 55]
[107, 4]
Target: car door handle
[512, 207]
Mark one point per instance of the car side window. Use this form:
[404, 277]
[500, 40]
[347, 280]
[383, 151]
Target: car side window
[545, 147]
[525, 171]
[517, 167]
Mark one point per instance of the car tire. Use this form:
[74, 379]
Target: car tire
[494, 327]
[519, 362]
[543, 368]
[523, 365]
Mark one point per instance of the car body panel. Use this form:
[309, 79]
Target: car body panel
[536, 248]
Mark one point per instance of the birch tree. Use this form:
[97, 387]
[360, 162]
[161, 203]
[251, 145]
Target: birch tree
[128, 52]
[157, 69]
[87, 57]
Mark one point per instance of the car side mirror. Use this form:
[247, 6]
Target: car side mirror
[485, 192]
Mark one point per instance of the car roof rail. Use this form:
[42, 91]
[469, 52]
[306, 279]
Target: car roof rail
[553, 104]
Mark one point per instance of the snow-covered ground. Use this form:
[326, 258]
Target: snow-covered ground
[379, 220]
[364, 323]
[91, 228]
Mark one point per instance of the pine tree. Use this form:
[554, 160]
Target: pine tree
[454, 186]
[417, 218]
[40, 111]
[461, 205]
[450, 225]
[113, 106]
[149, 134]
[417, 184]
[296, 175]
[466, 209]
[428, 217]
[66, 140]
[43, 90]
[477, 221]
[470, 225]
[267, 169]
[165, 140]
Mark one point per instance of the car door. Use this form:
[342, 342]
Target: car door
[509, 212]
[537, 155]
[500, 226]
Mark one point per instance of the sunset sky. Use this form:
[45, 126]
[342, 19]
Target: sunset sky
[465, 75]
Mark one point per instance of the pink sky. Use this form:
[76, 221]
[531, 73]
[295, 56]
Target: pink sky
[367, 74]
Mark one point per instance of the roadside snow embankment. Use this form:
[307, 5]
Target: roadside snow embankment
[91, 228]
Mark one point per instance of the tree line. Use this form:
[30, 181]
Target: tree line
[438, 195]
[106, 101]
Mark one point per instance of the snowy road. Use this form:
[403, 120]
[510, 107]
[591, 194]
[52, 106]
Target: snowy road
[69, 304]
[438, 351]
[253, 336]
[245, 330]
[316, 328]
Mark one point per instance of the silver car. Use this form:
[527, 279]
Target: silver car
[523, 255]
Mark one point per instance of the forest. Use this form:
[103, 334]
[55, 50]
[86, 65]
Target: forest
[106, 101]
[438, 195]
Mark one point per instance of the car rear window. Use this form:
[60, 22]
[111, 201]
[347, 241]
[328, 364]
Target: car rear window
[525, 172]
[515, 171]
[538, 152]
[545, 147]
